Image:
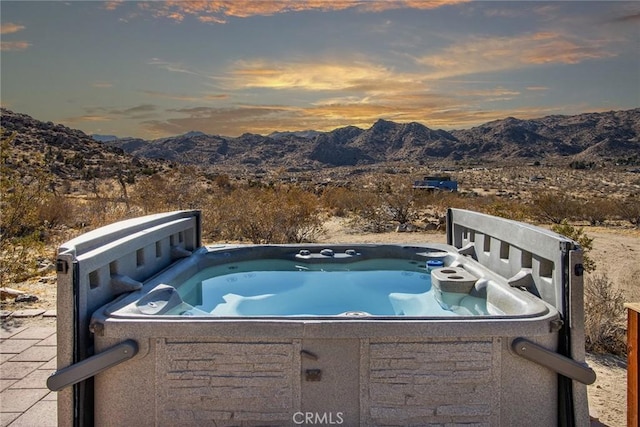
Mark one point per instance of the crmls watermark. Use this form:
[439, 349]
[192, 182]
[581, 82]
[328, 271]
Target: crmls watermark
[324, 418]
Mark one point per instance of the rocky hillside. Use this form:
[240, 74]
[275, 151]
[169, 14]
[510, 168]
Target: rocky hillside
[591, 137]
[586, 137]
[69, 154]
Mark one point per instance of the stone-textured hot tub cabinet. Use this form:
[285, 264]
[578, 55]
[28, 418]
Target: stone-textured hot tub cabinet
[128, 354]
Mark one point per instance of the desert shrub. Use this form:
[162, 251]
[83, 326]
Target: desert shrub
[339, 200]
[439, 201]
[22, 195]
[554, 207]
[177, 189]
[19, 256]
[301, 221]
[56, 210]
[270, 215]
[604, 316]
[21, 226]
[581, 164]
[578, 235]
[510, 209]
[372, 213]
[629, 210]
[598, 210]
[399, 201]
[390, 201]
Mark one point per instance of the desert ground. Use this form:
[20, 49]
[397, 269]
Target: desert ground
[616, 252]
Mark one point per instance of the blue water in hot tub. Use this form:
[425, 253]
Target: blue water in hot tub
[386, 287]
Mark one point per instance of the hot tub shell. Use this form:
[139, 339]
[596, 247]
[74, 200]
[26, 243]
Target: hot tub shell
[375, 370]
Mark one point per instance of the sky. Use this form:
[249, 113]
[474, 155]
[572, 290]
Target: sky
[162, 68]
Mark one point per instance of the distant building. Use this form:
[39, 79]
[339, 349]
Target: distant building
[444, 183]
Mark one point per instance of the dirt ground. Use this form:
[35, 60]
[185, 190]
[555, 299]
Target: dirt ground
[616, 252]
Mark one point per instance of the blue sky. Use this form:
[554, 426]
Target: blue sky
[154, 69]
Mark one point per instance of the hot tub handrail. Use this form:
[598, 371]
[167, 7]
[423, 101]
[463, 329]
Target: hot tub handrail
[93, 365]
[554, 361]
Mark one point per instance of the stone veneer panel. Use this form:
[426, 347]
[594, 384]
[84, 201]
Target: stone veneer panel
[220, 382]
[433, 383]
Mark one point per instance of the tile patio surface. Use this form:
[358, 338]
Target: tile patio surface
[27, 358]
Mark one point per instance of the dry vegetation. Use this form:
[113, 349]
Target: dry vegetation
[598, 207]
[277, 206]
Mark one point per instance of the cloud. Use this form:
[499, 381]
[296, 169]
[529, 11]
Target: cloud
[177, 97]
[10, 28]
[337, 94]
[631, 17]
[175, 67]
[143, 108]
[92, 118]
[490, 54]
[316, 76]
[14, 46]
[113, 4]
[102, 84]
[225, 121]
[139, 112]
[219, 11]
[434, 111]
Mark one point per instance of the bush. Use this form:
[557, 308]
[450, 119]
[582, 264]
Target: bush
[554, 207]
[578, 235]
[509, 209]
[604, 316]
[598, 210]
[19, 258]
[372, 214]
[629, 210]
[340, 200]
[279, 215]
[56, 210]
[23, 197]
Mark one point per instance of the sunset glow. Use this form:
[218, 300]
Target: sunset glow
[153, 69]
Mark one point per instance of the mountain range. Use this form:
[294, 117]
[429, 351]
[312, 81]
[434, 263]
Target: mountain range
[587, 137]
[590, 137]
[68, 154]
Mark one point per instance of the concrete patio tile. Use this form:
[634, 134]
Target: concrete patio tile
[36, 354]
[29, 312]
[7, 331]
[7, 417]
[16, 346]
[36, 333]
[53, 395]
[5, 314]
[19, 400]
[51, 365]
[6, 384]
[6, 356]
[52, 340]
[42, 414]
[17, 370]
[36, 379]
[50, 313]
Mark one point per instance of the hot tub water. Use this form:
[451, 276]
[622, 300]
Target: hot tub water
[282, 288]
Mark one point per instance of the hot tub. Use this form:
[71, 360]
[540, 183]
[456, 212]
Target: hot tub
[156, 329]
